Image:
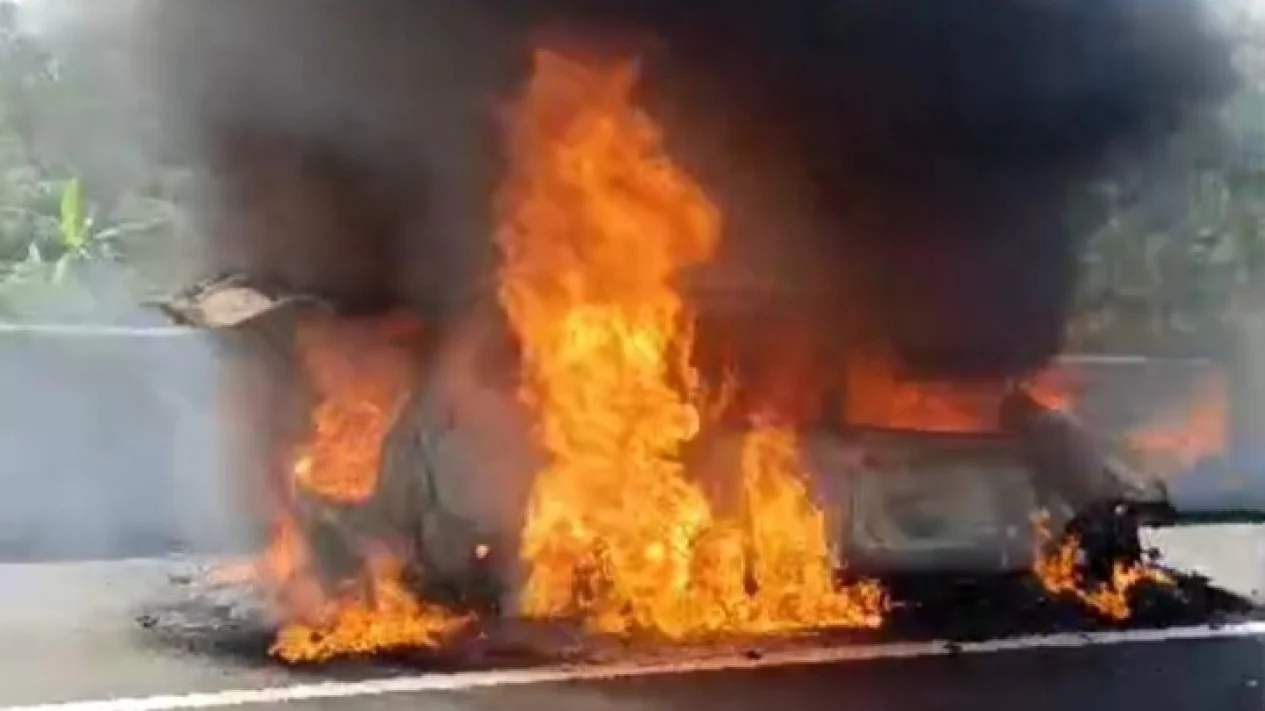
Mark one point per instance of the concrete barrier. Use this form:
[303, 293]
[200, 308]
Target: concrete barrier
[112, 441]
[110, 444]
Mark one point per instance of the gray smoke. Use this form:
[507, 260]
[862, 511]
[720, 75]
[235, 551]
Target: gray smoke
[900, 168]
[893, 172]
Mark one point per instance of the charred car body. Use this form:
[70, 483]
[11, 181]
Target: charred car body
[893, 176]
[456, 466]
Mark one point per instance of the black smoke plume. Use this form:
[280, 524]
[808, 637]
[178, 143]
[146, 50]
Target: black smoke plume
[898, 170]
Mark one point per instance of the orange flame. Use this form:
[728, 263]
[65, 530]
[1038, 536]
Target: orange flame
[380, 612]
[360, 377]
[1052, 388]
[1058, 569]
[877, 396]
[1180, 439]
[361, 372]
[788, 543]
[595, 221]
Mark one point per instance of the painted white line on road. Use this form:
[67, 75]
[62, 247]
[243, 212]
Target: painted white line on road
[465, 681]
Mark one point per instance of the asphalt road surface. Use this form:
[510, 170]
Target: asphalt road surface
[1187, 675]
[71, 641]
[1218, 673]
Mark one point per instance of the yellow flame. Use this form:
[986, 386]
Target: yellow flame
[1058, 568]
[361, 373]
[594, 222]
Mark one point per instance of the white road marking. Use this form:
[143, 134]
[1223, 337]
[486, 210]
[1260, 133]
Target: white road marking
[465, 681]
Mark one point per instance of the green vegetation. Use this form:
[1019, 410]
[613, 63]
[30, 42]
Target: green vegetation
[81, 209]
[1182, 251]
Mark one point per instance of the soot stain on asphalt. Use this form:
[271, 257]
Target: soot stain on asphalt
[230, 624]
[972, 609]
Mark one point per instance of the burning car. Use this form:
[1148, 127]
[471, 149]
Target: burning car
[519, 399]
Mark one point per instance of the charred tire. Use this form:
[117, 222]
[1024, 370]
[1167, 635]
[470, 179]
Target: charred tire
[1109, 534]
[453, 559]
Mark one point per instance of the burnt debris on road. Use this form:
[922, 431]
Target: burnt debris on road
[226, 619]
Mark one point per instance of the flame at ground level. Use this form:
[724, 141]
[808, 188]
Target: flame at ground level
[360, 371]
[1057, 567]
[595, 221]
[377, 612]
